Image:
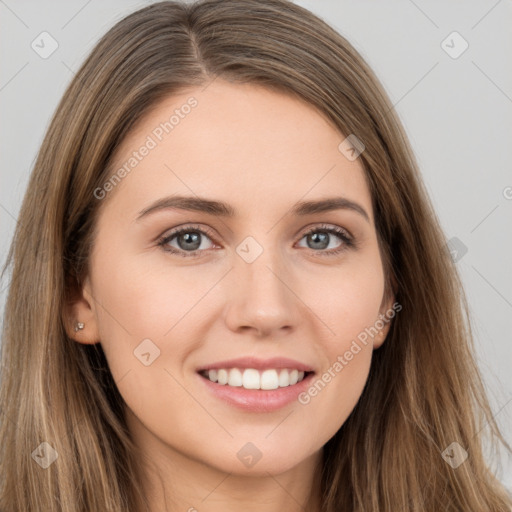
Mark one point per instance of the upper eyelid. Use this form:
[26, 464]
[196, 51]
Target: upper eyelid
[326, 226]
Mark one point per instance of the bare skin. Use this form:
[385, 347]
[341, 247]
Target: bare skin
[261, 152]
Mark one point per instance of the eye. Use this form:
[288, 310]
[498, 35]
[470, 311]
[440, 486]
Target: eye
[188, 240]
[320, 238]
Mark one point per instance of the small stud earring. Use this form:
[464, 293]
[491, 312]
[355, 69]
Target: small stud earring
[79, 326]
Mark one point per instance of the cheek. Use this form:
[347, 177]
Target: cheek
[151, 308]
[138, 309]
[333, 393]
[350, 307]
[347, 354]
[140, 298]
[145, 314]
[347, 299]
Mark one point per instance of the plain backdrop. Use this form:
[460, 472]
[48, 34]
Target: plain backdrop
[446, 66]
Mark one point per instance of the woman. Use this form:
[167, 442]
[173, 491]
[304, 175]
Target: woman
[260, 367]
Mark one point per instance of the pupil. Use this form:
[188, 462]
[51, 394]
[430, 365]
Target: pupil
[194, 239]
[318, 237]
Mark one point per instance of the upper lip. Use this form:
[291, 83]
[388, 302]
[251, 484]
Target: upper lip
[258, 364]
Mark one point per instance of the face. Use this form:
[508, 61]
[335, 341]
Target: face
[258, 287]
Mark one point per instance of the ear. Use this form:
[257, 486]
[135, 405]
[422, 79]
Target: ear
[80, 307]
[385, 309]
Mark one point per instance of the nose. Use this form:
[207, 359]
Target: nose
[262, 298]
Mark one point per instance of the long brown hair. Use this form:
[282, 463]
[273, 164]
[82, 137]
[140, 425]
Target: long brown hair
[424, 391]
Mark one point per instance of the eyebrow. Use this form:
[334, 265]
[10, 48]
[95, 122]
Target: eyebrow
[221, 209]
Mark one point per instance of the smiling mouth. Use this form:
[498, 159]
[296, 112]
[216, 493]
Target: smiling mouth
[250, 378]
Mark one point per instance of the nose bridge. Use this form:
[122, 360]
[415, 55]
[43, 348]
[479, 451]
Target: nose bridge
[259, 265]
[261, 297]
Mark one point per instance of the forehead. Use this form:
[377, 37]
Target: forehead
[245, 144]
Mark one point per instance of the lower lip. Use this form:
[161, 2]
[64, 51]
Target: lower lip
[257, 400]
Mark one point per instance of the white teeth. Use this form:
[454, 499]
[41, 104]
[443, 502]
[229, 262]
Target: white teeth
[235, 378]
[269, 380]
[254, 379]
[222, 376]
[284, 378]
[250, 379]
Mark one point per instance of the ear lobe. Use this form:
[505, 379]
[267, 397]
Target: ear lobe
[79, 318]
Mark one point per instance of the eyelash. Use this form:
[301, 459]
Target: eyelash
[348, 241]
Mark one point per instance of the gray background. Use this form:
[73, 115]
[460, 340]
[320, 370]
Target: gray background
[456, 111]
